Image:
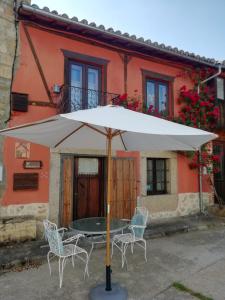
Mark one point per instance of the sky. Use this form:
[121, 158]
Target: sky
[192, 25]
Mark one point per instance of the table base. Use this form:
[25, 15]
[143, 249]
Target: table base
[117, 293]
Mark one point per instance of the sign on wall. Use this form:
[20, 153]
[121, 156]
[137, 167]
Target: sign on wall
[25, 181]
[22, 150]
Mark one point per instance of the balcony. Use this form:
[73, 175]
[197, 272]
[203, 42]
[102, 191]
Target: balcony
[73, 98]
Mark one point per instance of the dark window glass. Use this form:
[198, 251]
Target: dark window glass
[157, 95]
[84, 86]
[156, 176]
[218, 150]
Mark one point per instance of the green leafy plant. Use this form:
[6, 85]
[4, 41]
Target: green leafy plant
[179, 286]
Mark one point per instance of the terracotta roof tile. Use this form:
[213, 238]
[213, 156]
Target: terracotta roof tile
[132, 38]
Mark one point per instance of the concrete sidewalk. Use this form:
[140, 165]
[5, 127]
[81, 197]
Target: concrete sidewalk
[196, 259]
[35, 251]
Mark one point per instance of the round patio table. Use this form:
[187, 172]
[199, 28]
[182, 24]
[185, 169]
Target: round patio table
[95, 228]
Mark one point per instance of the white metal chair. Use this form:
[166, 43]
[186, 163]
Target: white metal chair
[137, 228]
[63, 249]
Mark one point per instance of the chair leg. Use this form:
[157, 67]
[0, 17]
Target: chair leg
[92, 247]
[86, 265]
[61, 267]
[132, 247]
[112, 249]
[49, 265]
[122, 253]
[124, 249]
[145, 249]
[72, 257]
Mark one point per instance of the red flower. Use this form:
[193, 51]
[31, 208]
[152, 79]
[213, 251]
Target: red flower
[156, 113]
[206, 89]
[194, 98]
[135, 105]
[150, 109]
[193, 165]
[216, 112]
[202, 103]
[123, 96]
[183, 88]
[188, 108]
[216, 170]
[215, 158]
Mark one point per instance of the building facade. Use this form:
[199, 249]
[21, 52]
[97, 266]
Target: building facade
[66, 65]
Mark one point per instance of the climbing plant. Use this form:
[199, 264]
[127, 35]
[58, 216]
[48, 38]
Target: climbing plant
[198, 108]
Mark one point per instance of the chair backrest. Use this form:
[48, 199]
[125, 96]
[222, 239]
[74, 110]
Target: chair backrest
[141, 210]
[53, 237]
[140, 218]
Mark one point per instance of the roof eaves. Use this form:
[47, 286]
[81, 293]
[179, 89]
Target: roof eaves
[117, 34]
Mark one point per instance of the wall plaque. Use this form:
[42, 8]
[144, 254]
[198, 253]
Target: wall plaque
[25, 181]
[22, 150]
[32, 164]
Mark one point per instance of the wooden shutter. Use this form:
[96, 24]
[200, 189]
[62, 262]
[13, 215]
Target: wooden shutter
[124, 188]
[67, 191]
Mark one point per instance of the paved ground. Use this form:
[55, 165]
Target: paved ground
[33, 251]
[196, 259]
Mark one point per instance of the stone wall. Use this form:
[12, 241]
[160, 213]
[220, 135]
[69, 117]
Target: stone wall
[170, 206]
[12, 228]
[7, 53]
[17, 229]
[34, 212]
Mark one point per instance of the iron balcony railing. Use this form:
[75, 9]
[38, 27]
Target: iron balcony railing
[72, 98]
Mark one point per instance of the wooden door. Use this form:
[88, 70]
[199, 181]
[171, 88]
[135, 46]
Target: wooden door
[67, 190]
[88, 187]
[219, 178]
[124, 188]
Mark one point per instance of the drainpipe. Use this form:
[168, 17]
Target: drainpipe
[201, 209]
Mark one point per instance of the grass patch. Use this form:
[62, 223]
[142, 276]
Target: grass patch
[181, 287]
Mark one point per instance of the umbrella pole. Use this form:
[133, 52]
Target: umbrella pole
[109, 171]
[108, 291]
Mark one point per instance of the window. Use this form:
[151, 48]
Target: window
[218, 149]
[157, 95]
[217, 88]
[85, 81]
[158, 92]
[85, 86]
[220, 88]
[156, 176]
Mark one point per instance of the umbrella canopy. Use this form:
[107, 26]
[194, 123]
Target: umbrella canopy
[110, 127]
[136, 131]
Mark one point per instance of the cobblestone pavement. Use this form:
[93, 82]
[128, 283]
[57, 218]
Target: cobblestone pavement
[195, 259]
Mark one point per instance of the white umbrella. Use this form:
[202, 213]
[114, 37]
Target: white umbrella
[111, 127]
[131, 130]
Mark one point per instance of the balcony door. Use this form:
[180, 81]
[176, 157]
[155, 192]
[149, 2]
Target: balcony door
[84, 86]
